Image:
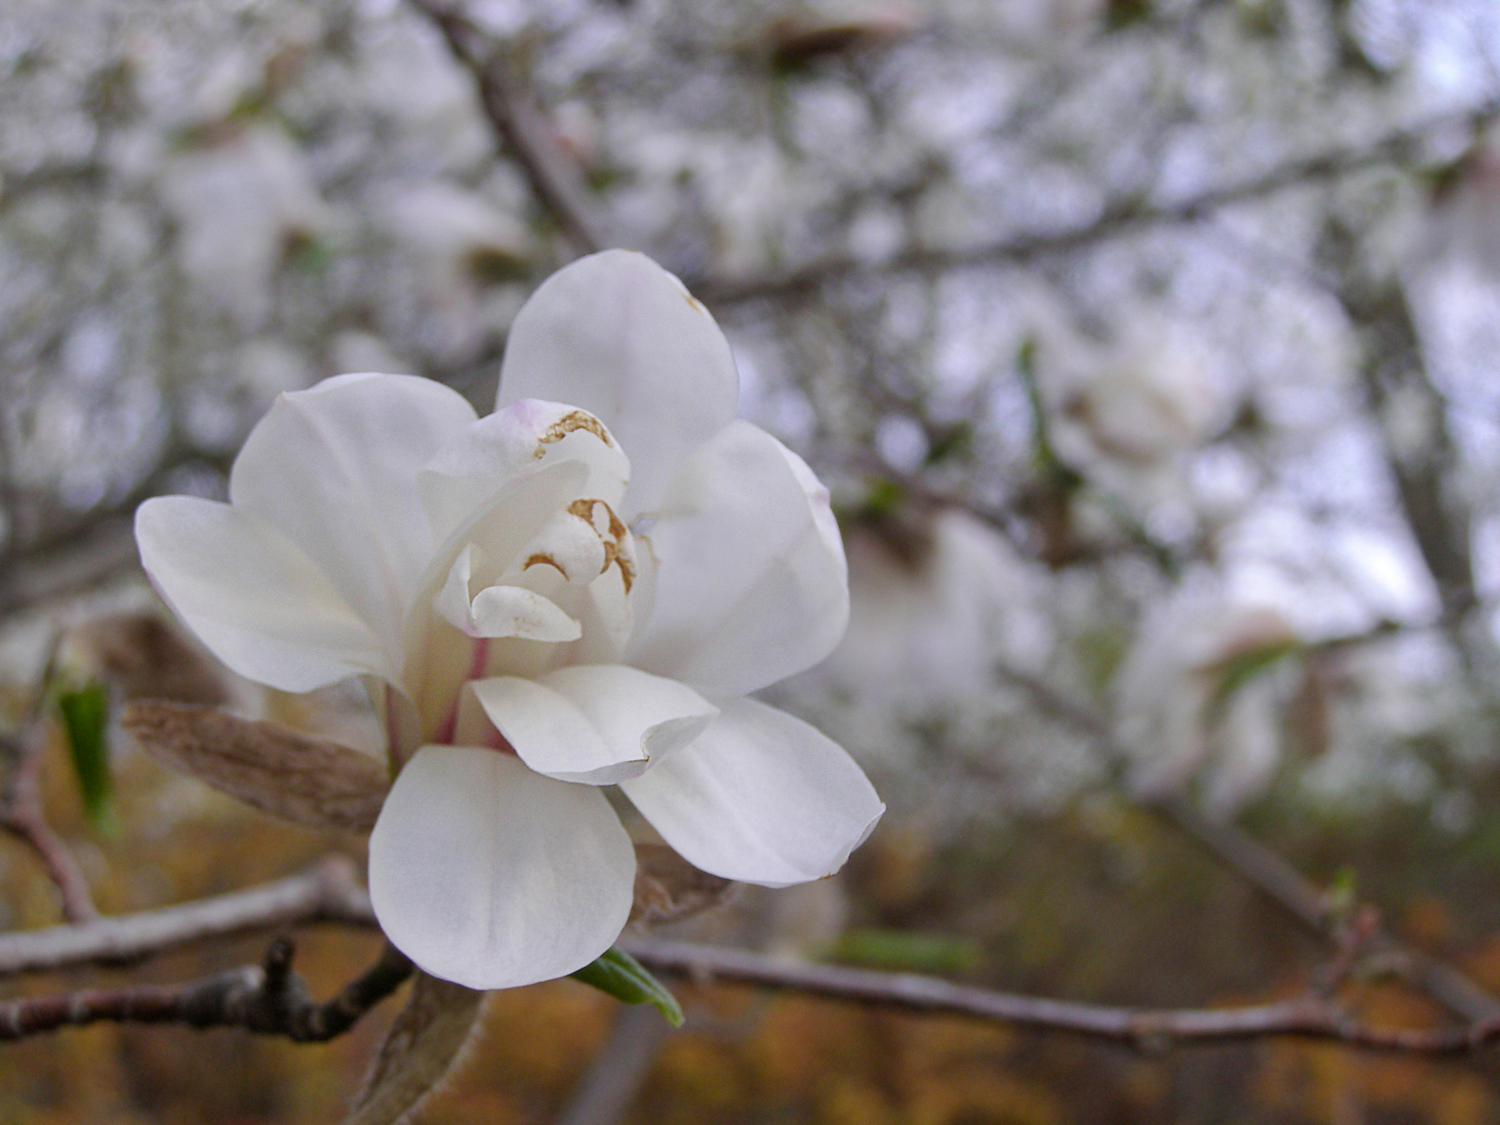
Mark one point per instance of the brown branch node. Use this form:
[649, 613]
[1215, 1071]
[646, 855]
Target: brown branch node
[267, 999]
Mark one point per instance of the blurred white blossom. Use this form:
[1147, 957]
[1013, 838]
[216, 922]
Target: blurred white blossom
[240, 208]
[1196, 696]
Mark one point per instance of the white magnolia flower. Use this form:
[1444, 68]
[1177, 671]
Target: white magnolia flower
[550, 616]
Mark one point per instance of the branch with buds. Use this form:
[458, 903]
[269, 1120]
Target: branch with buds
[269, 999]
[21, 811]
[1124, 217]
[1267, 871]
[519, 125]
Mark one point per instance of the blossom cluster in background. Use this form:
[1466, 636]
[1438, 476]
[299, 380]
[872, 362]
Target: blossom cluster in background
[1145, 348]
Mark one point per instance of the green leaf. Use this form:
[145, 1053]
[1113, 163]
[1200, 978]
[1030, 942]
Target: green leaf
[1342, 894]
[955, 441]
[1243, 667]
[902, 951]
[625, 978]
[1054, 472]
[884, 497]
[85, 718]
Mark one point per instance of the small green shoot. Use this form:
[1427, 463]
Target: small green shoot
[85, 718]
[623, 977]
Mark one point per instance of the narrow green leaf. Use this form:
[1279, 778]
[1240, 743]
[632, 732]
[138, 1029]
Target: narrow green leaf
[1055, 472]
[955, 441]
[1243, 667]
[625, 978]
[85, 718]
[885, 497]
[1342, 894]
[902, 951]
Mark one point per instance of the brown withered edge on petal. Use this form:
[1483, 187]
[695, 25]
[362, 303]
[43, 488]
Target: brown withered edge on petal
[577, 420]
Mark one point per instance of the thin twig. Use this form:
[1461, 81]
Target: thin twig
[518, 125]
[1267, 871]
[96, 553]
[243, 997]
[269, 999]
[26, 822]
[325, 892]
[1121, 218]
[22, 815]
[1143, 1029]
[1394, 370]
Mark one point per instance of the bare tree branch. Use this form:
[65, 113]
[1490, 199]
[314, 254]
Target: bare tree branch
[22, 815]
[259, 999]
[519, 125]
[99, 551]
[1126, 216]
[1143, 1029]
[325, 892]
[269, 999]
[1268, 872]
[1425, 472]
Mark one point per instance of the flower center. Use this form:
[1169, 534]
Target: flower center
[614, 538]
[564, 596]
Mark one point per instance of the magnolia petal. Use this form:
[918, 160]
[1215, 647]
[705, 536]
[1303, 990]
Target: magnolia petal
[453, 602]
[467, 473]
[621, 337]
[569, 544]
[551, 735]
[258, 603]
[608, 613]
[593, 724]
[437, 654]
[335, 468]
[513, 611]
[633, 708]
[760, 797]
[498, 531]
[492, 876]
[500, 611]
[751, 582]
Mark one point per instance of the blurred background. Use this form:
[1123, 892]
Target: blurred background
[1149, 348]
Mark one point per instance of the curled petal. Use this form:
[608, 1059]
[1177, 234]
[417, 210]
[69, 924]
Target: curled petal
[760, 797]
[621, 337]
[498, 532]
[335, 468]
[570, 545]
[500, 611]
[492, 876]
[630, 706]
[491, 541]
[513, 611]
[249, 593]
[751, 582]
[595, 724]
[467, 473]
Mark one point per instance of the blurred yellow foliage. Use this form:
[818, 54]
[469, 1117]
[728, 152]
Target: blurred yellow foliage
[1069, 913]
